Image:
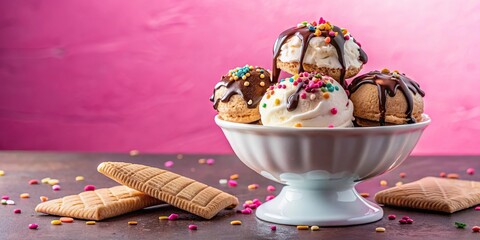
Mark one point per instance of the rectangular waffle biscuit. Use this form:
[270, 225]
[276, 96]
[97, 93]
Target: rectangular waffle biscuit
[174, 189]
[99, 204]
[431, 193]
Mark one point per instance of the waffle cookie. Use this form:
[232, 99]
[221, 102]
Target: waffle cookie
[174, 189]
[99, 204]
[431, 193]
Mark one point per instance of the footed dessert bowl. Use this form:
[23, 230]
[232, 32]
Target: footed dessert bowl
[320, 167]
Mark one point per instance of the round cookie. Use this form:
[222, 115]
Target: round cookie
[386, 98]
[237, 95]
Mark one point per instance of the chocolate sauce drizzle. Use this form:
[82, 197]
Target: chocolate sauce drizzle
[305, 36]
[252, 94]
[292, 101]
[388, 83]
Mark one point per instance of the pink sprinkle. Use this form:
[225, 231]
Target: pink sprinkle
[192, 227]
[210, 161]
[346, 37]
[333, 111]
[392, 217]
[5, 197]
[321, 21]
[405, 217]
[269, 197]
[56, 187]
[271, 88]
[173, 216]
[331, 33]
[303, 95]
[89, 188]
[330, 126]
[271, 188]
[168, 164]
[252, 206]
[33, 226]
[477, 208]
[245, 205]
[232, 183]
[402, 221]
[17, 211]
[443, 174]
[274, 228]
[247, 211]
[470, 171]
[409, 221]
[33, 182]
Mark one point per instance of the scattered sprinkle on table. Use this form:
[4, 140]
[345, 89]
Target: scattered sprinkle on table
[365, 194]
[163, 217]
[383, 183]
[442, 174]
[43, 198]
[392, 217]
[53, 181]
[380, 229]
[476, 229]
[79, 178]
[477, 208]
[168, 164]
[273, 228]
[24, 195]
[89, 188]
[33, 226]
[460, 225]
[399, 184]
[210, 161]
[223, 181]
[2, 173]
[302, 227]
[236, 222]
[5, 197]
[453, 176]
[402, 175]
[45, 180]
[173, 216]
[192, 227]
[405, 220]
[10, 202]
[232, 183]
[253, 186]
[134, 152]
[269, 197]
[4, 202]
[132, 223]
[271, 188]
[202, 161]
[470, 171]
[56, 222]
[17, 211]
[33, 182]
[66, 220]
[90, 222]
[56, 187]
[234, 176]
[315, 228]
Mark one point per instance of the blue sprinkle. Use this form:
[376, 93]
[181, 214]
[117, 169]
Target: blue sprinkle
[311, 29]
[291, 79]
[336, 88]
[330, 89]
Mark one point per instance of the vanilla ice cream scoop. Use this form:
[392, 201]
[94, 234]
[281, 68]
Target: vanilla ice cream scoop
[306, 100]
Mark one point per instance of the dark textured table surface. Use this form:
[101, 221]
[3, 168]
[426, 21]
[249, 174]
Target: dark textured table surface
[20, 167]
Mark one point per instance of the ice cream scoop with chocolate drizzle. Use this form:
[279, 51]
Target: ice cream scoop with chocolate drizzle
[238, 93]
[318, 47]
[386, 98]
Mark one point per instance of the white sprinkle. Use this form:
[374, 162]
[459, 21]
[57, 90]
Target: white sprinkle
[223, 181]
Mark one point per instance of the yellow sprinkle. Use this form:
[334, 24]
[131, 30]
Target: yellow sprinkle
[244, 77]
[248, 74]
[262, 75]
[321, 27]
[163, 217]
[250, 67]
[385, 70]
[268, 96]
[297, 125]
[231, 78]
[249, 202]
[252, 186]
[295, 76]
[79, 178]
[326, 95]
[364, 194]
[277, 101]
[132, 223]
[53, 181]
[318, 32]
[43, 198]
[90, 222]
[235, 78]
[45, 180]
[250, 102]
[2, 173]
[234, 176]
[313, 96]
[315, 228]
[302, 227]
[202, 160]
[246, 84]
[134, 152]
[56, 222]
[24, 195]
[380, 229]
[262, 84]
[236, 222]
[383, 183]
[398, 184]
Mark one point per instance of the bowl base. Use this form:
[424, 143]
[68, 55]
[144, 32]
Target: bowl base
[321, 207]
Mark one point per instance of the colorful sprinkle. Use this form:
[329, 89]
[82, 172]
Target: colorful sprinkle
[385, 70]
[253, 186]
[56, 222]
[17, 211]
[262, 75]
[66, 220]
[45, 180]
[262, 84]
[89, 188]
[223, 181]
[326, 95]
[134, 152]
[270, 188]
[202, 161]
[327, 39]
[383, 183]
[56, 187]
[163, 217]
[470, 171]
[10, 202]
[234, 176]
[192, 227]
[4, 202]
[333, 111]
[43, 198]
[476, 229]
[173, 216]
[33, 182]
[380, 229]
[477, 208]
[277, 102]
[364, 194]
[302, 227]
[264, 105]
[5, 197]
[273, 228]
[53, 181]
[453, 176]
[168, 164]
[246, 84]
[402, 175]
[269, 197]
[180, 156]
[399, 184]
[331, 126]
[392, 217]
[2, 173]
[33, 226]
[90, 222]
[210, 161]
[236, 222]
[24, 195]
[232, 183]
[298, 125]
[79, 178]
[460, 225]
[443, 174]
[132, 223]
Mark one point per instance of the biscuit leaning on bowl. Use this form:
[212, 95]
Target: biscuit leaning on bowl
[386, 98]
[318, 47]
[237, 95]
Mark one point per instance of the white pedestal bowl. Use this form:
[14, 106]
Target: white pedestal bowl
[320, 167]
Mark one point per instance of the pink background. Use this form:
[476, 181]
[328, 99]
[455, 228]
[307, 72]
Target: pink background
[111, 75]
